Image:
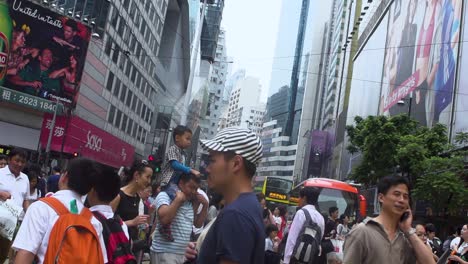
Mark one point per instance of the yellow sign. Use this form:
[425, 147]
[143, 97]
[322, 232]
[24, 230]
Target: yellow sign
[277, 196]
[294, 199]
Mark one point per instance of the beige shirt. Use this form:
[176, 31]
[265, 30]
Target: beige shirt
[368, 243]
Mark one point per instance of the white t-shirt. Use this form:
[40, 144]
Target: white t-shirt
[18, 187]
[456, 243]
[34, 233]
[278, 220]
[107, 212]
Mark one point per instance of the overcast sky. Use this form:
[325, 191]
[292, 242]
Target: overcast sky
[251, 28]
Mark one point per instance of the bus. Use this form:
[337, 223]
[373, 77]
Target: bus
[276, 190]
[333, 193]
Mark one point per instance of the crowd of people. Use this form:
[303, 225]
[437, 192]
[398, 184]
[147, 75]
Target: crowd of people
[87, 213]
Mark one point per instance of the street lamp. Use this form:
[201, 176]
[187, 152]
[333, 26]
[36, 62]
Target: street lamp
[402, 102]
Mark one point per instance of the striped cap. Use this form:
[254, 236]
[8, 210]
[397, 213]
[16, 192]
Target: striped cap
[241, 141]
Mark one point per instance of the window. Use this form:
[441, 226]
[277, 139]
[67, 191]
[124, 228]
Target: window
[138, 110]
[129, 68]
[134, 130]
[115, 56]
[129, 98]
[129, 127]
[118, 118]
[121, 27]
[123, 93]
[114, 18]
[134, 74]
[110, 81]
[123, 61]
[117, 88]
[126, 4]
[134, 102]
[108, 46]
[124, 122]
[111, 114]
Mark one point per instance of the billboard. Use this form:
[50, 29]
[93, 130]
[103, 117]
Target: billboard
[461, 108]
[420, 59]
[77, 135]
[46, 55]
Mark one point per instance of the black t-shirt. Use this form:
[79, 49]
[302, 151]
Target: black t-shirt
[330, 226]
[128, 210]
[237, 234]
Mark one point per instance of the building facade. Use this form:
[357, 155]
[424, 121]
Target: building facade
[278, 154]
[243, 109]
[132, 72]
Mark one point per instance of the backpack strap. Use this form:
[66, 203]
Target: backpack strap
[307, 215]
[55, 204]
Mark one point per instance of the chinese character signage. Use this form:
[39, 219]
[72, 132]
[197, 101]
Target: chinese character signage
[84, 138]
[44, 52]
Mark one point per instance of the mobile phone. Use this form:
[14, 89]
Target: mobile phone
[404, 216]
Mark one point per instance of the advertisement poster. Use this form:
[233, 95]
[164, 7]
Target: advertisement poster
[77, 135]
[46, 55]
[461, 108]
[420, 59]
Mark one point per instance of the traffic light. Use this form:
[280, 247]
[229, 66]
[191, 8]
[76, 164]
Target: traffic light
[155, 162]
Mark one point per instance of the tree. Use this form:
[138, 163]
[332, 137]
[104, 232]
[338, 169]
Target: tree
[393, 144]
[461, 138]
[442, 184]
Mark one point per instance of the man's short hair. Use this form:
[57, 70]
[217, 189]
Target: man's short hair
[250, 168]
[430, 228]
[180, 131]
[311, 194]
[186, 177]
[332, 209]
[18, 152]
[81, 174]
[57, 169]
[72, 24]
[270, 228]
[107, 184]
[3, 157]
[390, 181]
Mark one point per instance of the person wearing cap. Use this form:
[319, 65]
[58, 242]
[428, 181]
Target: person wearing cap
[237, 234]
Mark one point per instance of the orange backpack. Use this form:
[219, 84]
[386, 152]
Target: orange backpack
[73, 238]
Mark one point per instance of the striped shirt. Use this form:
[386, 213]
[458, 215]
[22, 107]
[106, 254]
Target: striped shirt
[181, 228]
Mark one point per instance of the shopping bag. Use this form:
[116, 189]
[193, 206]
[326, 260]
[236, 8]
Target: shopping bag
[9, 213]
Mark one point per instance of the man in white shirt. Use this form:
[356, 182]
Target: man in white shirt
[33, 236]
[14, 185]
[308, 197]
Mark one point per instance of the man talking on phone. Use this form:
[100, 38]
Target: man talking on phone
[389, 238]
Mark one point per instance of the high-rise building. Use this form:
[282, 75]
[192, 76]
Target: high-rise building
[285, 45]
[244, 108]
[278, 154]
[216, 89]
[338, 27]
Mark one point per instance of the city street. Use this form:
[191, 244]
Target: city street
[250, 132]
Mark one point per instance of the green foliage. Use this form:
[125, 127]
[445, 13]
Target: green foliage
[391, 145]
[442, 184]
[461, 138]
[388, 144]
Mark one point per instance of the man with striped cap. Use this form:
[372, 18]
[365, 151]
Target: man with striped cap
[237, 235]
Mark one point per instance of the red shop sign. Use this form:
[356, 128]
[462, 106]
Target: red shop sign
[86, 139]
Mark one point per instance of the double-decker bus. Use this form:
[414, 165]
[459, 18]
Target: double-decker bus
[333, 193]
[276, 190]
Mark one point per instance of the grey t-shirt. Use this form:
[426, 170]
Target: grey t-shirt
[368, 243]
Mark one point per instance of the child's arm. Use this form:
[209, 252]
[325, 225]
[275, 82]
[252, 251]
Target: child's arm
[179, 167]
